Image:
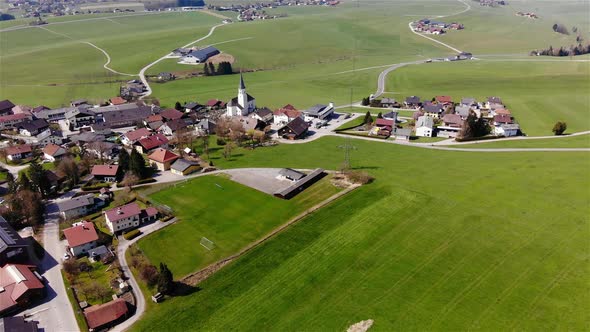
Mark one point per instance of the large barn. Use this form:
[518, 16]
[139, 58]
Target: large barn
[200, 56]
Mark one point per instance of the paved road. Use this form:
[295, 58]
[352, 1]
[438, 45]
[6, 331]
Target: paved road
[55, 313]
[13, 169]
[383, 75]
[144, 69]
[106, 65]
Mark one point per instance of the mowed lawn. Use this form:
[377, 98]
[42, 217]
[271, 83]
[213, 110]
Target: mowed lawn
[579, 141]
[225, 212]
[538, 93]
[490, 242]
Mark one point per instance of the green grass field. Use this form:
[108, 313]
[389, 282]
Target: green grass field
[581, 141]
[231, 216]
[412, 251]
[538, 94]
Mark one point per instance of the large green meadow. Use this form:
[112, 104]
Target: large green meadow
[227, 213]
[440, 241]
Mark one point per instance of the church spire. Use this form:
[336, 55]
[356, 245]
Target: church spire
[242, 85]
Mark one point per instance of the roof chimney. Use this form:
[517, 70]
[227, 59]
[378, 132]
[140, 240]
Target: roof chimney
[119, 211]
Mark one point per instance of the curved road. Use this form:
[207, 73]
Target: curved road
[106, 65]
[144, 69]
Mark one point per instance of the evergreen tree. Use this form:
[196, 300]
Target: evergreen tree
[177, 106]
[380, 115]
[475, 127]
[11, 183]
[368, 118]
[165, 280]
[206, 70]
[23, 182]
[123, 160]
[365, 101]
[211, 68]
[39, 181]
[137, 164]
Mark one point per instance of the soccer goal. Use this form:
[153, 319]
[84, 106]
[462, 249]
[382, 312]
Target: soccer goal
[208, 244]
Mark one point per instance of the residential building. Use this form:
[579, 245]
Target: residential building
[11, 120]
[117, 101]
[33, 127]
[468, 101]
[295, 129]
[81, 238]
[413, 102]
[205, 127]
[463, 111]
[214, 104]
[171, 114]
[319, 111]
[391, 116]
[507, 129]
[162, 158]
[20, 285]
[445, 100]
[105, 173]
[385, 124]
[106, 315]
[126, 116]
[103, 150]
[200, 56]
[78, 206]
[18, 324]
[6, 107]
[79, 117]
[285, 115]
[243, 104]
[149, 143]
[447, 131]
[13, 248]
[452, 120]
[123, 217]
[86, 137]
[184, 167]
[389, 102]
[53, 152]
[130, 137]
[433, 110]
[424, 126]
[263, 114]
[18, 152]
[171, 127]
[148, 215]
[78, 102]
[502, 119]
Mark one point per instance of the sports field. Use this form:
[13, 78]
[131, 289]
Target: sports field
[538, 93]
[225, 212]
[475, 245]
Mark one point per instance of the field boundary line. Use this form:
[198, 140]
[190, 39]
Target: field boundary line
[106, 65]
[204, 273]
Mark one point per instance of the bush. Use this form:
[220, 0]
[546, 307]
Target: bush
[221, 141]
[359, 177]
[131, 234]
[166, 218]
[149, 274]
[559, 128]
[483, 138]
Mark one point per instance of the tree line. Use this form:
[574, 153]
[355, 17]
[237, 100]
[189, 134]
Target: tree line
[223, 68]
[564, 51]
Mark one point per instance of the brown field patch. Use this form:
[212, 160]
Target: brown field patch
[221, 58]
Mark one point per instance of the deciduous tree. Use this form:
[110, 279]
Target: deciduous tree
[559, 128]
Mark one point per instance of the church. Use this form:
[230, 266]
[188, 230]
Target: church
[243, 104]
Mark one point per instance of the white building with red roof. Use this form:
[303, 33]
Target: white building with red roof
[154, 141]
[18, 152]
[133, 136]
[81, 238]
[162, 159]
[123, 217]
[52, 152]
[19, 286]
[106, 173]
[286, 114]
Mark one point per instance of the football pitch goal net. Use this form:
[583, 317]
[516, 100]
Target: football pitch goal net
[208, 244]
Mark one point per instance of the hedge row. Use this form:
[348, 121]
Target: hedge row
[166, 218]
[144, 181]
[484, 138]
[131, 234]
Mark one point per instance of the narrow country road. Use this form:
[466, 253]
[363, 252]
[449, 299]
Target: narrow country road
[55, 312]
[106, 65]
[383, 75]
[144, 69]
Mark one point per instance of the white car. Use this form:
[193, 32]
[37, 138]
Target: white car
[66, 256]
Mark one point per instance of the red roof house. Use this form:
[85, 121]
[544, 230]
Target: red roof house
[107, 314]
[123, 217]
[118, 101]
[154, 118]
[444, 99]
[81, 238]
[162, 158]
[52, 152]
[18, 152]
[171, 114]
[107, 173]
[502, 119]
[151, 142]
[385, 124]
[20, 285]
[135, 135]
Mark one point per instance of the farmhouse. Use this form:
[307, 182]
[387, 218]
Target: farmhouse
[171, 127]
[117, 101]
[52, 152]
[81, 238]
[507, 130]
[413, 102]
[319, 111]
[135, 135]
[9, 121]
[20, 285]
[424, 126]
[106, 315]
[18, 152]
[171, 114]
[184, 167]
[243, 104]
[162, 158]
[13, 248]
[285, 115]
[105, 173]
[120, 116]
[294, 129]
[263, 114]
[200, 56]
[33, 127]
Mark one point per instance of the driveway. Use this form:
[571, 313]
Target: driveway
[55, 312]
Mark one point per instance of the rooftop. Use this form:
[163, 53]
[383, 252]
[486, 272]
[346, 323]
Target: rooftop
[105, 170]
[122, 212]
[162, 155]
[82, 234]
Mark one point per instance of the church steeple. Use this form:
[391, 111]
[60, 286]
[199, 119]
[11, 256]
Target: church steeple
[242, 85]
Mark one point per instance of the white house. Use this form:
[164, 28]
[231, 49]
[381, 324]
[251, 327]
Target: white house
[81, 238]
[424, 126]
[78, 206]
[123, 217]
[52, 152]
[285, 115]
[507, 130]
[243, 104]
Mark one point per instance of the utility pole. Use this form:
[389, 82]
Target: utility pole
[347, 147]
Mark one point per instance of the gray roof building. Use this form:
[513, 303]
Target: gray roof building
[76, 202]
[291, 174]
[182, 164]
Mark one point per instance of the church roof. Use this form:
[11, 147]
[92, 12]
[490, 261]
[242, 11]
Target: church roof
[242, 85]
[234, 101]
